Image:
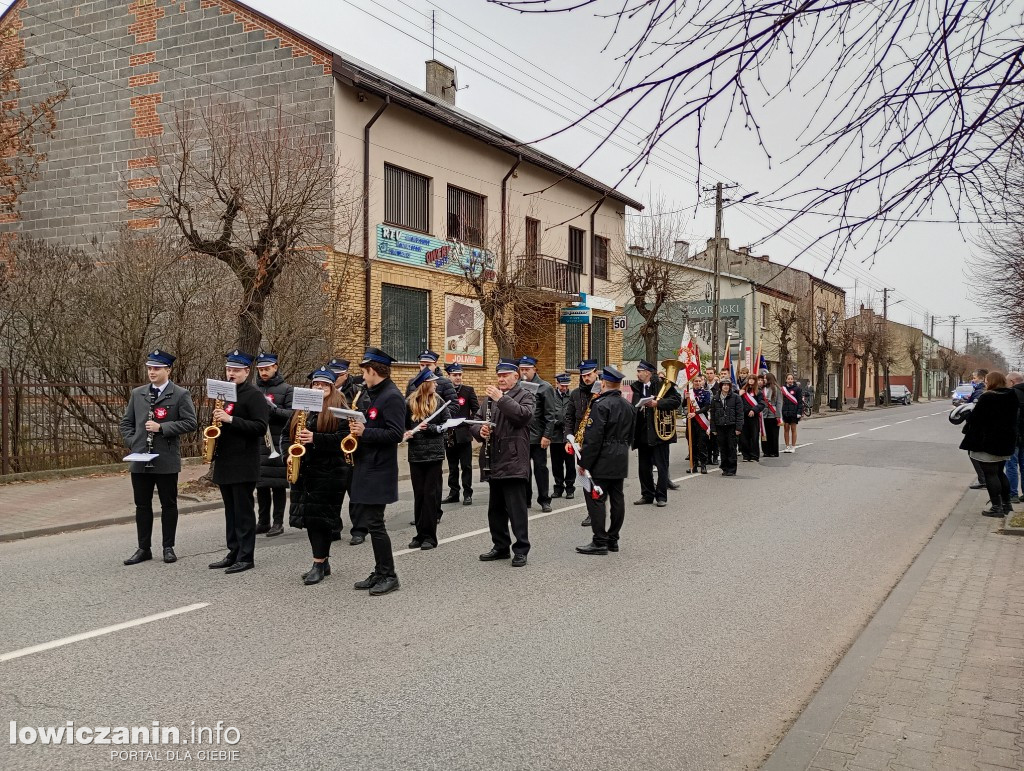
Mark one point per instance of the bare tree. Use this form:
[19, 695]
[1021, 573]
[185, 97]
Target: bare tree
[785, 320]
[822, 327]
[915, 352]
[865, 348]
[948, 360]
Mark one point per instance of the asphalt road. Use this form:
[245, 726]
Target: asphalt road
[694, 647]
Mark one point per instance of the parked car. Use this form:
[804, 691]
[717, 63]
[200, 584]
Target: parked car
[898, 394]
[962, 394]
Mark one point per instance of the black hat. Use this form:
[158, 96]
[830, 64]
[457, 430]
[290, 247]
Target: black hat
[377, 355]
[158, 358]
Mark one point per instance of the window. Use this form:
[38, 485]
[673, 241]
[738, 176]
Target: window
[601, 258]
[573, 346]
[465, 216]
[599, 340]
[532, 237]
[406, 199]
[404, 321]
[764, 315]
[576, 248]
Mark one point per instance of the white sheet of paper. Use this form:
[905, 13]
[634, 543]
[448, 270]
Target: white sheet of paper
[140, 457]
[453, 422]
[355, 415]
[469, 422]
[221, 389]
[432, 415]
[308, 399]
[646, 401]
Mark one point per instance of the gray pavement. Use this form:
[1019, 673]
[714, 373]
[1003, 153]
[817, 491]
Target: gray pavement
[694, 647]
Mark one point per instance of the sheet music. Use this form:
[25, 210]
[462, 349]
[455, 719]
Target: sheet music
[647, 401]
[140, 457]
[308, 399]
[221, 389]
[355, 415]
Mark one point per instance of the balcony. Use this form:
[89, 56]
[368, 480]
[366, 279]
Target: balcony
[542, 271]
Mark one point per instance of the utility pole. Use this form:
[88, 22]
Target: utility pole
[885, 325]
[715, 299]
[954, 332]
[932, 335]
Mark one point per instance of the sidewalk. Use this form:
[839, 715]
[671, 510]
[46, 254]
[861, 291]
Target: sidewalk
[936, 680]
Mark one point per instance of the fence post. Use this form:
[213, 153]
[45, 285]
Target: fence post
[5, 446]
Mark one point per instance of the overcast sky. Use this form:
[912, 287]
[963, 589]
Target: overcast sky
[531, 74]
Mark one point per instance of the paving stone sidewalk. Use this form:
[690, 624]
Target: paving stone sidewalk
[946, 690]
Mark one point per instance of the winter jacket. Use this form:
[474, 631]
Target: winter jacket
[791, 411]
[465, 406]
[375, 478]
[509, 443]
[727, 415]
[561, 402]
[427, 446]
[237, 452]
[324, 478]
[1019, 391]
[543, 424]
[279, 398]
[979, 389]
[175, 413]
[607, 437]
[645, 434]
[579, 398]
[992, 424]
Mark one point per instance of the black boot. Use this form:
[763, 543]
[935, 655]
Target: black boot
[703, 469]
[315, 574]
[262, 526]
[326, 564]
[996, 510]
[277, 529]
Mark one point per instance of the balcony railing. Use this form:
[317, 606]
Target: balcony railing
[542, 271]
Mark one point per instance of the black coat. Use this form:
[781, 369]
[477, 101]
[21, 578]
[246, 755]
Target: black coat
[792, 411]
[348, 388]
[561, 402]
[579, 398]
[992, 424]
[1019, 391]
[645, 434]
[279, 398]
[607, 437]
[510, 437]
[324, 478]
[757, 409]
[375, 479]
[727, 415]
[427, 446]
[543, 424]
[236, 456]
[466, 405]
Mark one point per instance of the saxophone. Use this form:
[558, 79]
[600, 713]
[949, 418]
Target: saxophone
[295, 451]
[350, 443]
[582, 427]
[210, 435]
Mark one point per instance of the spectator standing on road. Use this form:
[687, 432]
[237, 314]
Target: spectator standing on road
[991, 437]
[426, 457]
[1015, 465]
[726, 425]
[750, 438]
[459, 442]
[978, 382]
[157, 414]
[792, 409]
[772, 396]
[273, 485]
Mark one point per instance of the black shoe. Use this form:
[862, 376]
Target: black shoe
[357, 539]
[239, 567]
[315, 574]
[494, 554]
[976, 486]
[570, 494]
[428, 545]
[169, 555]
[370, 581]
[262, 527]
[592, 548]
[141, 555]
[545, 507]
[326, 565]
[557, 493]
[277, 529]
[384, 585]
[996, 511]
[585, 523]
[453, 498]
[672, 485]
[613, 546]
[415, 543]
[467, 501]
[224, 563]
[413, 523]
[661, 504]
[642, 502]
[519, 560]
[703, 469]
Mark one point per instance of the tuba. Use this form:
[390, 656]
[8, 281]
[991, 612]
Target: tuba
[350, 443]
[295, 451]
[665, 420]
[210, 435]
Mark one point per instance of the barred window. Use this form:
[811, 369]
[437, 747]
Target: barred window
[404, 321]
[466, 216]
[599, 341]
[406, 199]
[601, 258]
[573, 346]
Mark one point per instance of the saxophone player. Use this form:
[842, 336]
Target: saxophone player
[578, 401]
[605, 454]
[652, 449]
[157, 414]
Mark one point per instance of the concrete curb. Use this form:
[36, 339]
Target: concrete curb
[95, 523]
[806, 736]
[77, 471]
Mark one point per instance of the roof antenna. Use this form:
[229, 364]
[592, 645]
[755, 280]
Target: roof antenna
[432, 23]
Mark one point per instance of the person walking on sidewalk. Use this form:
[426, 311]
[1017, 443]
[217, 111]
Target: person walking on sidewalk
[542, 430]
[273, 485]
[991, 437]
[726, 425]
[324, 475]
[426, 456]
[1015, 465]
[792, 407]
[459, 442]
[157, 414]
[236, 462]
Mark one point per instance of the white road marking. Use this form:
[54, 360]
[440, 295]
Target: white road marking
[99, 632]
[844, 436]
[922, 417]
[887, 425]
[939, 413]
[904, 421]
[805, 444]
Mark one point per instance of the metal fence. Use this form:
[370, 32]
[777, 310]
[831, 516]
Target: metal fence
[48, 425]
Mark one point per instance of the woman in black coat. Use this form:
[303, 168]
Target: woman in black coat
[324, 476]
[752, 403]
[726, 424]
[991, 437]
[426, 454]
[792, 409]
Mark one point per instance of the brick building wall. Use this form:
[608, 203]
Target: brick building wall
[128, 64]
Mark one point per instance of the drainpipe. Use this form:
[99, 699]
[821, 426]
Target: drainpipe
[504, 215]
[755, 313]
[367, 265]
[593, 243]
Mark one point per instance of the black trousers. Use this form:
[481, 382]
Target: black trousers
[648, 458]
[368, 518]
[563, 468]
[750, 439]
[539, 458]
[726, 439]
[427, 479]
[240, 520]
[770, 443]
[996, 481]
[978, 470]
[507, 504]
[319, 539]
[460, 456]
[142, 489]
[613, 495]
[264, 495]
[701, 449]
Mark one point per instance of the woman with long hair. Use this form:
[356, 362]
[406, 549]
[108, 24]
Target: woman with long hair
[990, 438]
[426, 454]
[772, 397]
[324, 475]
[792, 407]
[752, 404]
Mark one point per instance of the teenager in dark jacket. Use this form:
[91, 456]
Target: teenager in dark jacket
[324, 476]
[273, 485]
[726, 425]
[426, 456]
[772, 397]
[753, 404]
[458, 441]
[978, 384]
[991, 437]
[792, 409]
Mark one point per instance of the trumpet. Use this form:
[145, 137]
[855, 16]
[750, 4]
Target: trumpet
[270, 445]
[295, 451]
[210, 434]
[350, 443]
